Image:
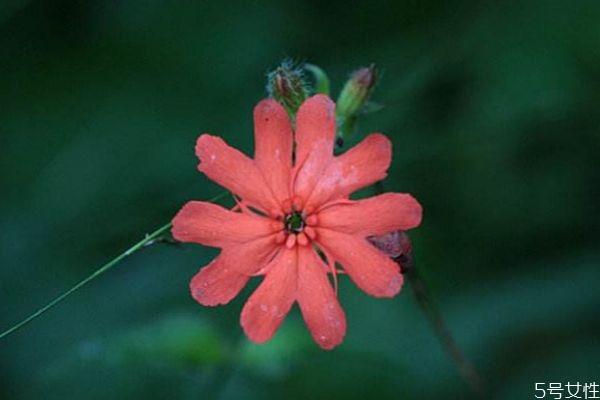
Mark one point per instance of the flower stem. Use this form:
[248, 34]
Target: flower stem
[91, 277]
[425, 301]
[399, 248]
[147, 240]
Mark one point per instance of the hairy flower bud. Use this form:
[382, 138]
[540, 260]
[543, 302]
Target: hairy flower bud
[288, 85]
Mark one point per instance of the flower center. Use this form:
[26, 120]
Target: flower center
[294, 222]
[298, 222]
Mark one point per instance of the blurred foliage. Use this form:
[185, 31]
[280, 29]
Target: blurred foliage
[493, 111]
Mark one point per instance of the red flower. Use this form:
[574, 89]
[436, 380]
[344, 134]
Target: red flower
[294, 221]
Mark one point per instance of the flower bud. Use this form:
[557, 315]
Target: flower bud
[288, 85]
[397, 246]
[356, 91]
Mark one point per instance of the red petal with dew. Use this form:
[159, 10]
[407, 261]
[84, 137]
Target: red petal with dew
[373, 216]
[273, 139]
[368, 267]
[318, 302]
[267, 307]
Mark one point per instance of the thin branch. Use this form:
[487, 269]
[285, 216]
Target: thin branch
[425, 301]
[149, 239]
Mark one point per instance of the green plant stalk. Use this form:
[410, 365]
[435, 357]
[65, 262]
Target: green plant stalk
[147, 240]
[94, 275]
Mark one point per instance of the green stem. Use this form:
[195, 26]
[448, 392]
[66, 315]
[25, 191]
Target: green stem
[94, 275]
[425, 301]
[149, 239]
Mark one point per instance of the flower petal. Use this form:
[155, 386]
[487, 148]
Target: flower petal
[234, 171]
[374, 216]
[269, 304]
[319, 305]
[315, 126]
[315, 134]
[273, 138]
[362, 165]
[212, 225]
[222, 279]
[369, 268]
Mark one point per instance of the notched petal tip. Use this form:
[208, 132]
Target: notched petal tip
[380, 142]
[254, 331]
[204, 143]
[378, 152]
[266, 107]
[198, 294]
[253, 337]
[181, 220]
[204, 288]
[414, 210]
[327, 344]
[319, 104]
[333, 333]
[394, 286]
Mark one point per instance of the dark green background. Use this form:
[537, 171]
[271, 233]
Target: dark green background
[494, 115]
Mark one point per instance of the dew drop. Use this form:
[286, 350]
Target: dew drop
[275, 312]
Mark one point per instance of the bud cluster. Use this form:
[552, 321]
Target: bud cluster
[290, 86]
